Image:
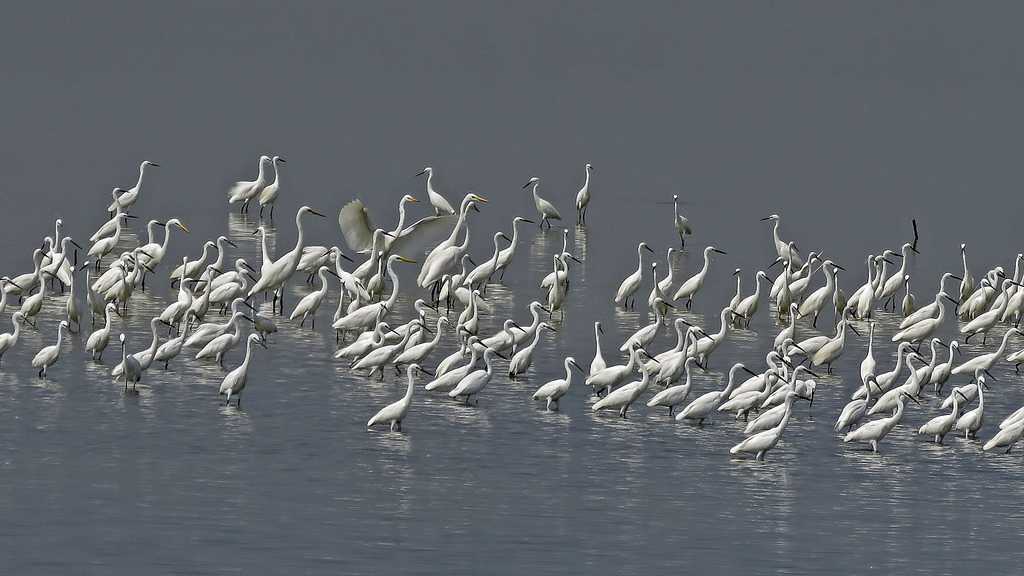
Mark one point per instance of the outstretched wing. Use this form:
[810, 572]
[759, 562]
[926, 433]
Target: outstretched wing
[419, 237]
[356, 227]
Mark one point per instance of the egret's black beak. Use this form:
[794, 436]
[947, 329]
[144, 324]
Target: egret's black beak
[230, 243]
[311, 211]
[749, 371]
[719, 251]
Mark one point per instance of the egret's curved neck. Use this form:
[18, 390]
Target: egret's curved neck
[408, 390]
[300, 239]
[60, 338]
[401, 217]
[262, 173]
[535, 196]
[640, 260]
[142, 172]
[17, 330]
[597, 339]
[156, 340]
[1002, 345]
[248, 354]
[394, 285]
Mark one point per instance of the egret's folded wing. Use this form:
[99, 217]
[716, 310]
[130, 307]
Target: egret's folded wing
[354, 220]
[421, 236]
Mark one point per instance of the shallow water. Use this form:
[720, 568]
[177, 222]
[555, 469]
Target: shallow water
[171, 481]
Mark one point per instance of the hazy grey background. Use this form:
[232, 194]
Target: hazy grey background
[848, 119]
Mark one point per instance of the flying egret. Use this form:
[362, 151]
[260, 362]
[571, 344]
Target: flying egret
[553, 391]
[545, 209]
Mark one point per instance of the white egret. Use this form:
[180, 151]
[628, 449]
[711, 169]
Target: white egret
[984, 322]
[448, 379]
[891, 285]
[759, 444]
[939, 426]
[475, 382]
[613, 376]
[966, 280]
[276, 276]
[132, 372]
[985, 361]
[832, 349]
[545, 209]
[98, 340]
[440, 204]
[674, 395]
[855, 410]
[394, 413]
[874, 431]
[108, 227]
[419, 352]
[268, 196]
[171, 348]
[583, 197]
[49, 355]
[104, 246]
[631, 283]
[598, 363]
[522, 359]
[310, 303]
[925, 328]
[747, 307]
[623, 397]
[244, 191]
[786, 251]
[143, 358]
[909, 302]
[680, 223]
[235, 381]
[690, 287]
[1006, 437]
[887, 380]
[479, 276]
[223, 343]
[553, 391]
[506, 254]
[703, 406]
[971, 421]
[9, 340]
[128, 199]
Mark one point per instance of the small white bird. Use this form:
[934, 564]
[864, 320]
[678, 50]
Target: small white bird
[128, 199]
[546, 209]
[235, 381]
[553, 391]
[674, 395]
[474, 382]
[693, 284]
[681, 224]
[9, 340]
[583, 198]
[622, 398]
[49, 355]
[630, 284]
[268, 196]
[394, 413]
[759, 444]
[939, 426]
[440, 204]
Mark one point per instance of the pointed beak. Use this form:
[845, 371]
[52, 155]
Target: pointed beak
[749, 371]
[719, 251]
[311, 211]
[229, 243]
[420, 173]
[527, 185]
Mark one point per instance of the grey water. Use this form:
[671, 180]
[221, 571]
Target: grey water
[848, 120]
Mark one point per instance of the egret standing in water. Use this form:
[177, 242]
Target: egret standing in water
[583, 198]
[49, 355]
[440, 204]
[235, 381]
[394, 413]
[546, 209]
[631, 283]
[553, 391]
[680, 222]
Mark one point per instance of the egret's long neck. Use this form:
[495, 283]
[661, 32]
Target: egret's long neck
[248, 354]
[785, 416]
[263, 244]
[277, 174]
[535, 196]
[300, 239]
[17, 331]
[60, 338]
[142, 172]
[597, 339]
[219, 262]
[639, 260]
[515, 237]
[401, 217]
[394, 287]
[724, 327]
[430, 181]
[409, 388]
[775, 234]
[155, 342]
[963, 258]
[261, 176]
[871, 339]
[1002, 345]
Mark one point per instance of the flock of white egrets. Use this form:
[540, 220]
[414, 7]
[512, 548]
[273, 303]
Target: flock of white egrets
[449, 278]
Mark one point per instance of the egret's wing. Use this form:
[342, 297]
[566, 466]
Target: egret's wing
[354, 220]
[420, 236]
[238, 190]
